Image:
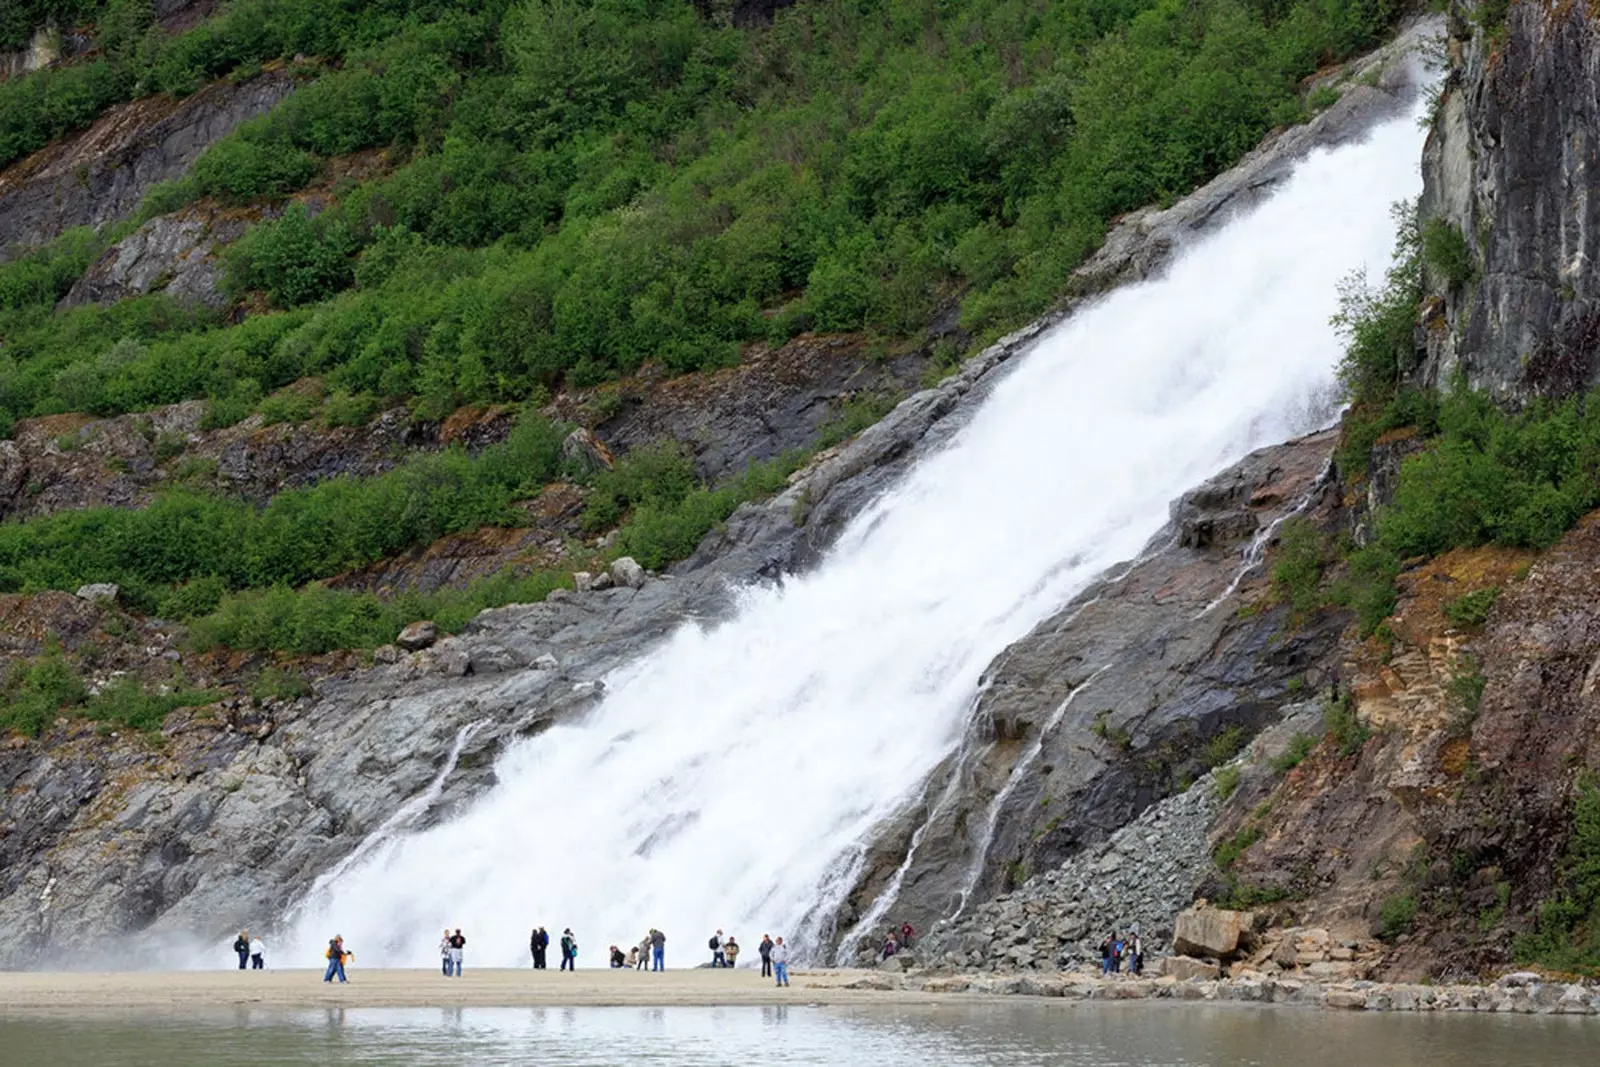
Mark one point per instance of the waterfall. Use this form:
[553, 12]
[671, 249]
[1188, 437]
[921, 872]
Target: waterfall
[731, 777]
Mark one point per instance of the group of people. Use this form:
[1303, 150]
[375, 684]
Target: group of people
[252, 951]
[1119, 952]
[897, 940]
[650, 953]
[539, 945]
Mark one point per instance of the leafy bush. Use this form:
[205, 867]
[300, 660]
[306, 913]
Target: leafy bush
[1297, 570]
[1295, 754]
[1227, 852]
[1223, 746]
[35, 692]
[1396, 916]
[1445, 250]
[1471, 610]
[301, 535]
[1347, 732]
[1566, 936]
[1226, 782]
[125, 702]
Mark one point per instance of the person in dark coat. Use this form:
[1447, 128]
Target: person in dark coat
[241, 945]
[539, 944]
[765, 949]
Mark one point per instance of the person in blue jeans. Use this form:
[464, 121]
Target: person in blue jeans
[569, 950]
[336, 956]
[780, 962]
[658, 950]
[241, 945]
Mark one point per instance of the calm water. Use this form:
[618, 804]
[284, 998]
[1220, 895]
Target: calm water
[1024, 1035]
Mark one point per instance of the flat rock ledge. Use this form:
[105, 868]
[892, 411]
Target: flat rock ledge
[1513, 995]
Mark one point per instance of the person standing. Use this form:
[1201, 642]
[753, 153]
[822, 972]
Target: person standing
[717, 958]
[1136, 955]
[336, 956]
[658, 950]
[258, 954]
[780, 962]
[644, 952]
[444, 952]
[569, 950]
[765, 950]
[458, 945]
[241, 945]
[730, 949]
[905, 935]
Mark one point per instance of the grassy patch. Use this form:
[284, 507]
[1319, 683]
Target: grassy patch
[1344, 730]
[1226, 782]
[1295, 754]
[1471, 610]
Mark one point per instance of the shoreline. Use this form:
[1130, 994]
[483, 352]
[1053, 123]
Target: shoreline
[76, 992]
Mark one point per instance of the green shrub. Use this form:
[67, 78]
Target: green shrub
[1347, 732]
[1445, 250]
[1227, 852]
[275, 683]
[1566, 934]
[1225, 782]
[35, 691]
[1223, 746]
[1297, 568]
[1396, 916]
[1295, 754]
[126, 703]
[1471, 610]
[288, 405]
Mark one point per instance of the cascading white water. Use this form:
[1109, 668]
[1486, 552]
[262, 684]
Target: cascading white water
[730, 776]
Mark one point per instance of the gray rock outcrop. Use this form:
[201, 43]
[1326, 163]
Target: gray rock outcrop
[101, 174]
[1508, 170]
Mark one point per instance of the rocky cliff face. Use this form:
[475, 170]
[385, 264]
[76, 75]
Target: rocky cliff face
[1509, 168]
[101, 174]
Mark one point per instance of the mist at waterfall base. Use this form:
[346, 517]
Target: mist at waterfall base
[732, 777]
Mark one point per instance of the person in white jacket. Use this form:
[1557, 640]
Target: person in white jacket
[780, 962]
[258, 954]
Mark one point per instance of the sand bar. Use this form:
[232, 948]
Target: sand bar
[384, 988]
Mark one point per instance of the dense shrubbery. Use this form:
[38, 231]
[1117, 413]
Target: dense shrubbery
[35, 691]
[1567, 936]
[138, 59]
[317, 619]
[301, 535]
[590, 184]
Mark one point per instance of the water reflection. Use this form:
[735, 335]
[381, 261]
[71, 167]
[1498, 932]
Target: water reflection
[1019, 1035]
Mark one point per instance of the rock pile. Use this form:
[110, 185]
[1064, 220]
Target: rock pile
[1141, 877]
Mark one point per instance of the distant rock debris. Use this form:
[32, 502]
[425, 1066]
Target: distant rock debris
[627, 573]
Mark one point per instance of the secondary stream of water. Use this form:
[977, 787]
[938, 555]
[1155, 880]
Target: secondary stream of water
[731, 777]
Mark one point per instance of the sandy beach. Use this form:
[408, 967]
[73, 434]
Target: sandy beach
[380, 988]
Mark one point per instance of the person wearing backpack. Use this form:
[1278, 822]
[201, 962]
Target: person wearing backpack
[765, 949]
[336, 956]
[569, 950]
[717, 958]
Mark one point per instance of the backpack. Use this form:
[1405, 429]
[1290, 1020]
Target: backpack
[714, 944]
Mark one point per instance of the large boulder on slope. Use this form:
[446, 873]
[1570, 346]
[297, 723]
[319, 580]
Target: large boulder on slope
[1213, 933]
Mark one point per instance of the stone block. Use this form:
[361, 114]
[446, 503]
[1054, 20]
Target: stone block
[1188, 969]
[1210, 932]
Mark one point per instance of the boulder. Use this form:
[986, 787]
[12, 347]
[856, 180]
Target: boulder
[1209, 932]
[1188, 969]
[627, 573]
[418, 636]
[586, 453]
[582, 581]
[99, 593]
[386, 654]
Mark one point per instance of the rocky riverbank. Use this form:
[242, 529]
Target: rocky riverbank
[1522, 993]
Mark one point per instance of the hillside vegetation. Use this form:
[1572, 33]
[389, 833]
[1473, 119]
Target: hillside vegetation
[580, 187]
